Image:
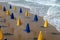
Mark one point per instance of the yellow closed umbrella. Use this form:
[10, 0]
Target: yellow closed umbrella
[19, 22]
[27, 13]
[46, 23]
[8, 12]
[14, 8]
[1, 35]
[0, 7]
[40, 36]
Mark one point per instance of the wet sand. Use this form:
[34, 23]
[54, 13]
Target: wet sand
[19, 31]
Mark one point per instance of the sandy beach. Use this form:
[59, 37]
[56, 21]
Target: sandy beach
[19, 31]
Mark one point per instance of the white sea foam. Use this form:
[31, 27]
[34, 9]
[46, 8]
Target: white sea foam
[53, 16]
[7, 0]
[21, 5]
